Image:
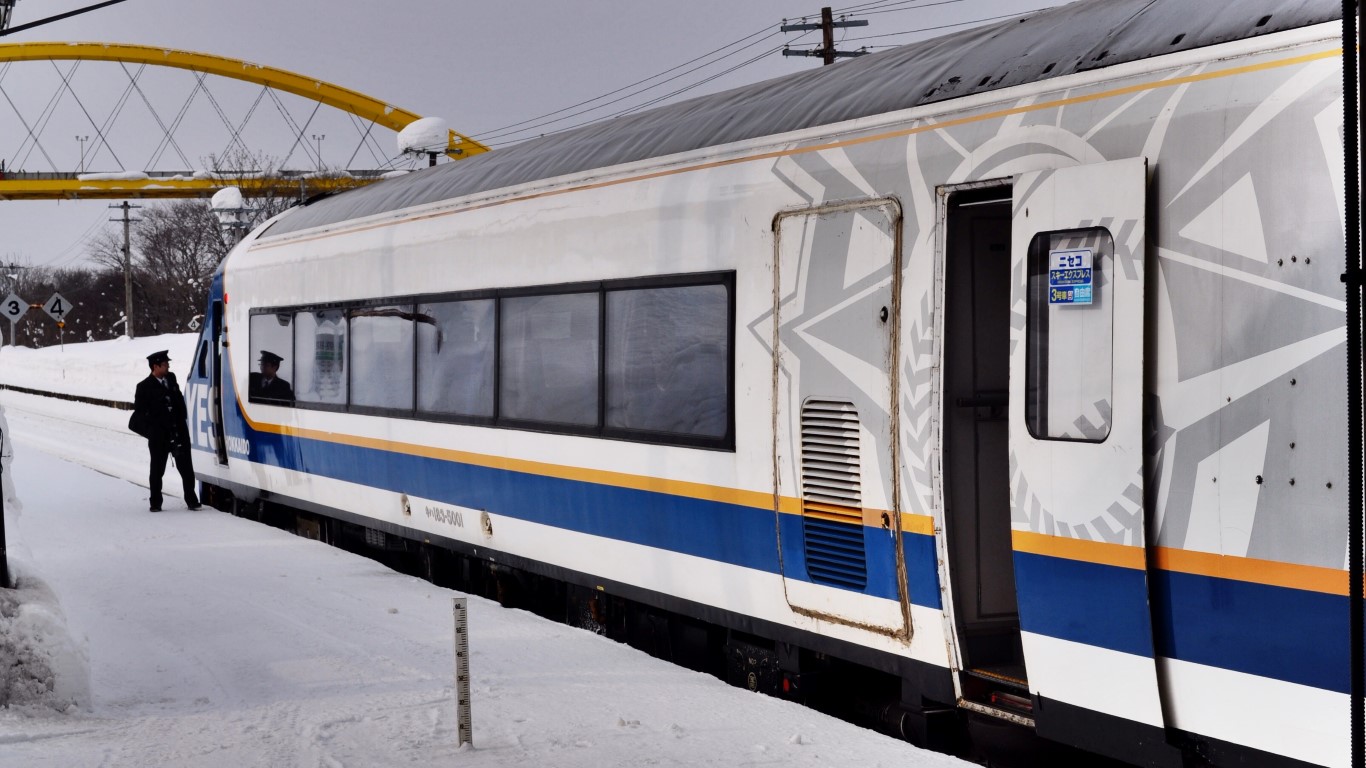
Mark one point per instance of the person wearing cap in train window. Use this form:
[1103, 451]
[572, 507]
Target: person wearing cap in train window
[159, 415]
[266, 385]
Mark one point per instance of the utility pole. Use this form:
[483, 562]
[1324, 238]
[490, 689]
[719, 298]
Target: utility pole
[827, 26]
[127, 267]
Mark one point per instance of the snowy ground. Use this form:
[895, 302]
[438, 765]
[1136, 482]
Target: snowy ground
[199, 639]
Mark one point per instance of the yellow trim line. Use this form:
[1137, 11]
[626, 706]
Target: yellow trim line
[925, 126]
[358, 104]
[1310, 578]
[910, 522]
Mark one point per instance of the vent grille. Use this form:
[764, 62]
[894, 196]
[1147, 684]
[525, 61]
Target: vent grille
[832, 502]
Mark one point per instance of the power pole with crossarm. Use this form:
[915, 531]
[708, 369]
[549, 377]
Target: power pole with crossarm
[827, 27]
[127, 267]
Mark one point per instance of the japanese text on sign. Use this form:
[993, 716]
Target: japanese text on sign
[1070, 276]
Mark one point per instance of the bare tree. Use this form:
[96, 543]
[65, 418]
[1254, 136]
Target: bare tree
[178, 247]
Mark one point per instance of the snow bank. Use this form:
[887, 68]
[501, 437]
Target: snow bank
[40, 666]
[6, 458]
[108, 370]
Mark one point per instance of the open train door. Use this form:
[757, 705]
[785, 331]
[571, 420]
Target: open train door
[1078, 514]
[216, 337]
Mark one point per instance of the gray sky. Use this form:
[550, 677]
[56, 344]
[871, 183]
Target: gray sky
[479, 65]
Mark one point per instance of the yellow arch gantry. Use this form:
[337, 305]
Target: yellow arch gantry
[460, 146]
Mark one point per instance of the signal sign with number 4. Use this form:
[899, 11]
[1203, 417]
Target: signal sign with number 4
[57, 307]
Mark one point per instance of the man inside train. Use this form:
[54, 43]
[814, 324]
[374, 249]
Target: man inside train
[266, 385]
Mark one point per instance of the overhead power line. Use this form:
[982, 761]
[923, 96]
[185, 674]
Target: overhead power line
[655, 100]
[707, 60]
[518, 131]
[7, 6]
[709, 54]
[891, 6]
[970, 22]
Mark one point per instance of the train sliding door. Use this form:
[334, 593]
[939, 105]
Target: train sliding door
[976, 539]
[216, 385]
[1076, 465]
[836, 281]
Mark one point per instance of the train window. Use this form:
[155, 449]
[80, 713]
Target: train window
[667, 366]
[382, 356]
[646, 359]
[455, 357]
[320, 367]
[1068, 374]
[272, 333]
[548, 368]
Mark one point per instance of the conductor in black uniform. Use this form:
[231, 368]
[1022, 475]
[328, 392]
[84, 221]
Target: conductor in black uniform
[159, 407]
[266, 385]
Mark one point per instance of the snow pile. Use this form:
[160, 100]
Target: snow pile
[120, 176]
[6, 458]
[107, 370]
[40, 666]
[427, 134]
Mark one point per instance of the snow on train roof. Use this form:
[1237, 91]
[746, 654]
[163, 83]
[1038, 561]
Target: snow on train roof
[1081, 36]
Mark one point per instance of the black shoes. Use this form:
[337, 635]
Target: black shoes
[154, 509]
[196, 507]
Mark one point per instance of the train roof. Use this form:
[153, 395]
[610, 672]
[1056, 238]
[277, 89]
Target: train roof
[1081, 36]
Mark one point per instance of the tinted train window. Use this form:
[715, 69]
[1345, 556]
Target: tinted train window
[668, 360]
[274, 333]
[549, 358]
[646, 359]
[382, 356]
[320, 348]
[455, 357]
[1068, 374]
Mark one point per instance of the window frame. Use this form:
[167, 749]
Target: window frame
[1032, 357]
[726, 279]
[457, 418]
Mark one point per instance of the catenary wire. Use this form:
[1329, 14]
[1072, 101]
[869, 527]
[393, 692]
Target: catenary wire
[504, 134]
[657, 99]
[625, 87]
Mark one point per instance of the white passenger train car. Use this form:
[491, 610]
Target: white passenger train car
[1001, 373]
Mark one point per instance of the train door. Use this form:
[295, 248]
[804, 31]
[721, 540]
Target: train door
[836, 290]
[216, 382]
[976, 468]
[1078, 509]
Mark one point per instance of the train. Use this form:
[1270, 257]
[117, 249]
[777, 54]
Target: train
[992, 386]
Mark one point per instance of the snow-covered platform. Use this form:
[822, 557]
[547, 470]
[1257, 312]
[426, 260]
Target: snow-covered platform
[201, 639]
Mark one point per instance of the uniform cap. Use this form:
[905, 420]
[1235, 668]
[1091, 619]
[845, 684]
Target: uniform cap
[164, 356]
[270, 357]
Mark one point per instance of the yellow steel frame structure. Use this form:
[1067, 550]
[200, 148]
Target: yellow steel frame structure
[358, 104]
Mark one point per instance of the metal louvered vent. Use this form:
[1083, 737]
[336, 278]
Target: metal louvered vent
[832, 504]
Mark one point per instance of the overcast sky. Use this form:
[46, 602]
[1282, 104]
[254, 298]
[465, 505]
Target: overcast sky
[479, 65]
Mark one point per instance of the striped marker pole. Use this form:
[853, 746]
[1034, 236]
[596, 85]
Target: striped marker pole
[464, 726]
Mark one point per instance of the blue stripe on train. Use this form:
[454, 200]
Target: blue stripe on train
[729, 533]
[1083, 602]
[1285, 634]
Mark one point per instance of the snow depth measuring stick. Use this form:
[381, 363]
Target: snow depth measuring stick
[464, 726]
